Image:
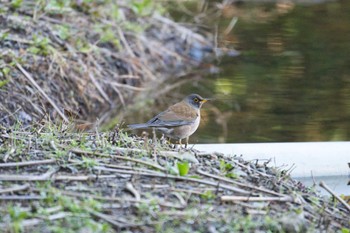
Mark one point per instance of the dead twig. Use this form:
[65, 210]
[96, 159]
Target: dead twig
[36, 85]
[121, 199]
[43, 177]
[325, 186]
[99, 88]
[78, 151]
[56, 216]
[28, 163]
[257, 199]
[249, 169]
[207, 182]
[83, 177]
[132, 190]
[15, 188]
[231, 25]
[20, 198]
[180, 198]
[128, 168]
[200, 171]
[106, 218]
[115, 222]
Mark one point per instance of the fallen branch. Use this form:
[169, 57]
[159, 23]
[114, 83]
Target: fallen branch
[7, 227]
[56, 216]
[323, 185]
[121, 199]
[82, 177]
[132, 190]
[200, 171]
[15, 188]
[177, 155]
[20, 198]
[106, 218]
[249, 169]
[128, 168]
[255, 199]
[207, 182]
[117, 223]
[78, 151]
[45, 176]
[26, 223]
[28, 163]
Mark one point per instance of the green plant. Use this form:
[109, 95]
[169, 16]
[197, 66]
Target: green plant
[226, 169]
[63, 31]
[142, 7]
[107, 34]
[40, 46]
[17, 215]
[88, 162]
[15, 4]
[183, 168]
[57, 6]
[208, 195]
[83, 46]
[4, 35]
[4, 82]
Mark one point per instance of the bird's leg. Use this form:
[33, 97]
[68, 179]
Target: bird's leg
[162, 140]
[154, 144]
[186, 142]
[154, 136]
[180, 143]
[172, 146]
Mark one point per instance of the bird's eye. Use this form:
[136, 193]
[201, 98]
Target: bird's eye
[196, 100]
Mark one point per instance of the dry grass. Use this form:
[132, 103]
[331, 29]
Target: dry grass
[53, 180]
[78, 59]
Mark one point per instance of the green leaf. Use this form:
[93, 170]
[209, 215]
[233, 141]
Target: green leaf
[225, 167]
[16, 3]
[5, 71]
[63, 32]
[231, 175]
[3, 36]
[183, 168]
[4, 82]
[345, 230]
[208, 195]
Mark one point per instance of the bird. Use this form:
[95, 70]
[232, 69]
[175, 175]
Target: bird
[179, 121]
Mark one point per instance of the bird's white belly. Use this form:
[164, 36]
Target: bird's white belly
[194, 126]
[180, 132]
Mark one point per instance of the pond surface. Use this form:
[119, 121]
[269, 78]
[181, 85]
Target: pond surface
[290, 83]
[305, 161]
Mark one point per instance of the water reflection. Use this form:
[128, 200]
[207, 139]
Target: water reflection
[291, 81]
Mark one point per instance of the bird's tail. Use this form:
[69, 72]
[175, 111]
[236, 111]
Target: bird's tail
[138, 126]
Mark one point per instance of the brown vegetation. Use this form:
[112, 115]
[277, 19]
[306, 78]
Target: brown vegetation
[81, 58]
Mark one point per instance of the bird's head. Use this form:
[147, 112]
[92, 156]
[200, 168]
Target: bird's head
[195, 100]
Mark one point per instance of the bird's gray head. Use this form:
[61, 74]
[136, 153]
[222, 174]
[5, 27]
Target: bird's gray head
[196, 100]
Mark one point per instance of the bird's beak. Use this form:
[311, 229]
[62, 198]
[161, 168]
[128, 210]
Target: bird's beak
[205, 100]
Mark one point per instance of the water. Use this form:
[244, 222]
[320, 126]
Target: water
[304, 159]
[291, 82]
[308, 162]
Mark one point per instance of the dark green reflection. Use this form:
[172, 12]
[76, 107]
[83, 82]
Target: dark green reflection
[291, 82]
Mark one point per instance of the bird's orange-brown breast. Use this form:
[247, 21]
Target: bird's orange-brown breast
[180, 111]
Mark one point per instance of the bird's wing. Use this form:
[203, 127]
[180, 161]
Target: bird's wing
[176, 115]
